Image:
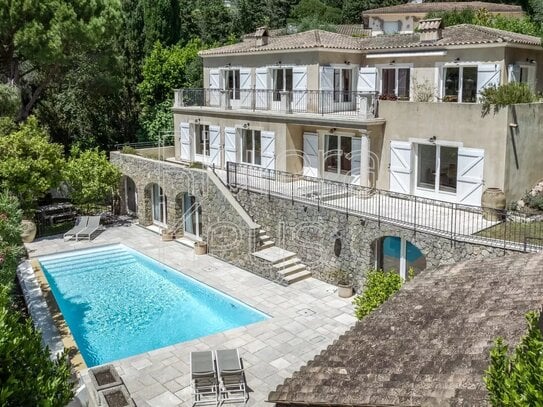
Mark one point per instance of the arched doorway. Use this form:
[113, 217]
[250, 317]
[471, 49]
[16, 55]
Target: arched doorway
[158, 205]
[192, 216]
[399, 254]
[130, 195]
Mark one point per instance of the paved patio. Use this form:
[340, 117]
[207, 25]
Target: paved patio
[305, 318]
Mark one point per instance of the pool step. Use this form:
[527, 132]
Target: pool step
[94, 254]
[74, 260]
[90, 262]
[77, 268]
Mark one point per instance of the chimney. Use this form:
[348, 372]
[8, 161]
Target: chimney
[261, 36]
[430, 29]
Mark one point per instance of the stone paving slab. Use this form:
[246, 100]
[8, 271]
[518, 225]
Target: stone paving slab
[304, 319]
[274, 254]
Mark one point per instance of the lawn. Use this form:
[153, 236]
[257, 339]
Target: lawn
[529, 232]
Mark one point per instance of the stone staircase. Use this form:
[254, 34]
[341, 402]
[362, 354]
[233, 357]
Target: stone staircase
[286, 265]
[263, 241]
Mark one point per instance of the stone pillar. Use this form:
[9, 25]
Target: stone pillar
[365, 161]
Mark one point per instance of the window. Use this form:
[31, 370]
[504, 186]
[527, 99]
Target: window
[437, 167]
[251, 147]
[391, 27]
[282, 81]
[460, 84]
[201, 136]
[395, 82]
[342, 84]
[396, 254]
[338, 150]
[231, 82]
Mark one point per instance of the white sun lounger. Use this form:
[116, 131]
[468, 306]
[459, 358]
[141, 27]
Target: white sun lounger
[203, 378]
[79, 226]
[232, 387]
[92, 227]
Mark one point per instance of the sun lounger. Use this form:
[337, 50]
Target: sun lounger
[232, 387]
[92, 227]
[79, 226]
[203, 379]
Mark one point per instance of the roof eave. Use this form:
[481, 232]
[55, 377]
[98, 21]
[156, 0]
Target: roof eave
[282, 51]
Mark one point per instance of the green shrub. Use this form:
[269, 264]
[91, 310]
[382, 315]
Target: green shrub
[129, 150]
[514, 380]
[379, 286]
[505, 95]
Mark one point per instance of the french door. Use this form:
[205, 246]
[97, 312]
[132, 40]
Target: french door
[192, 214]
[436, 170]
[158, 205]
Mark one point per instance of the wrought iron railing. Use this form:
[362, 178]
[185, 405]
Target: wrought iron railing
[342, 103]
[491, 227]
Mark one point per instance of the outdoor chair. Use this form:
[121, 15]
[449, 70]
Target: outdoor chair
[232, 388]
[203, 379]
[79, 226]
[92, 227]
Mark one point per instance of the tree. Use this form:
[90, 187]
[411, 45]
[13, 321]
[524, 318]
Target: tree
[213, 21]
[90, 176]
[9, 101]
[316, 9]
[514, 380]
[40, 38]
[352, 9]
[166, 69]
[161, 22]
[30, 164]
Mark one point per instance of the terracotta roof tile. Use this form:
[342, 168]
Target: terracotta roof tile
[429, 344]
[427, 7]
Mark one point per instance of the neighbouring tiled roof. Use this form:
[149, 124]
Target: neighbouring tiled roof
[303, 40]
[426, 7]
[429, 344]
[354, 30]
[462, 34]
[430, 24]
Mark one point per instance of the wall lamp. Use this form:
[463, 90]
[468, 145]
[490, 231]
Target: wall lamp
[531, 61]
[347, 62]
[278, 62]
[432, 139]
[197, 120]
[246, 125]
[228, 65]
[392, 62]
[457, 59]
[332, 130]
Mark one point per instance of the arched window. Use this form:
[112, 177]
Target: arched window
[395, 253]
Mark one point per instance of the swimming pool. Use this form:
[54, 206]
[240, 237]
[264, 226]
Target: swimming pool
[119, 302]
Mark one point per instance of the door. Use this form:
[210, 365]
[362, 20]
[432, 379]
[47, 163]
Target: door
[215, 146]
[268, 149]
[311, 156]
[192, 213]
[158, 205]
[299, 89]
[400, 167]
[184, 130]
[470, 175]
[230, 152]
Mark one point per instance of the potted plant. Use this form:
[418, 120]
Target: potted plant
[343, 282]
[168, 234]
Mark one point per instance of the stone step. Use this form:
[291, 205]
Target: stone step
[292, 269]
[294, 278]
[266, 245]
[287, 263]
[264, 237]
[274, 254]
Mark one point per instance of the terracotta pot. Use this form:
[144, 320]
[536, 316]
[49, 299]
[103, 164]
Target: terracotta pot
[345, 290]
[200, 248]
[28, 233]
[493, 204]
[167, 235]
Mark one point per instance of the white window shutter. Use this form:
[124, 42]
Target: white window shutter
[532, 78]
[513, 73]
[215, 146]
[367, 79]
[469, 187]
[261, 88]
[230, 154]
[268, 149]
[245, 87]
[184, 138]
[488, 75]
[299, 88]
[214, 87]
[327, 79]
[400, 167]
[311, 155]
[356, 156]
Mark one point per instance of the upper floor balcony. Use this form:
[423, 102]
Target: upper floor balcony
[307, 103]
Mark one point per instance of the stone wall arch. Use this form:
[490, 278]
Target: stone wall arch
[148, 214]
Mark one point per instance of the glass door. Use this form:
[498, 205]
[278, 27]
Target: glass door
[192, 212]
[436, 170]
[158, 205]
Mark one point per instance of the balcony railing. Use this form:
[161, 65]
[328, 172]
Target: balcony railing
[504, 229]
[320, 102]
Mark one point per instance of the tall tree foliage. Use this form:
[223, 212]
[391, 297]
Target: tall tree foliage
[161, 22]
[352, 9]
[40, 39]
[318, 10]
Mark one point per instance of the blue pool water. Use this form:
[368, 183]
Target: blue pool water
[118, 303]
